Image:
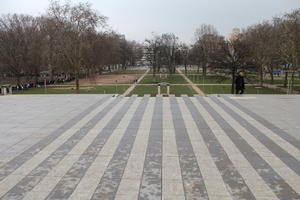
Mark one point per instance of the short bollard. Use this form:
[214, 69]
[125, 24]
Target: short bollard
[168, 89]
[158, 89]
[3, 91]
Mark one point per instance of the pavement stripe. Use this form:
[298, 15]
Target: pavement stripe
[70, 180]
[247, 147]
[281, 133]
[55, 175]
[268, 132]
[151, 185]
[231, 177]
[191, 175]
[130, 183]
[40, 165]
[16, 162]
[214, 184]
[172, 185]
[282, 154]
[255, 183]
[110, 181]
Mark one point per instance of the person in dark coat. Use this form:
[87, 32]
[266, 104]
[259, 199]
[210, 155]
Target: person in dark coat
[239, 83]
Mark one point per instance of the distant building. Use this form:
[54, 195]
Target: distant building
[234, 34]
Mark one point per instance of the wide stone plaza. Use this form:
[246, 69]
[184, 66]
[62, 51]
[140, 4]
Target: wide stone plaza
[102, 147]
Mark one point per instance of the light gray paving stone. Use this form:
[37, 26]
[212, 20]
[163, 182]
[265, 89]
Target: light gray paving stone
[272, 179]
[278, 110]
[134, 168]
[277, 165]
[280, 132]
[230, 175]
[151, 183]
[191, 175]
[54, 176]
[281, 153]
[144, 162]
[291, 149]
[171, 173]
[111, 179]
[13, 164]
[36, 175]
[212, 177]
[71, 179]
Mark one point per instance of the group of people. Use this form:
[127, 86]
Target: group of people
[27, 86]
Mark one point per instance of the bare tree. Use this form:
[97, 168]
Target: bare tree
[73, 22]
[207, 42]
[15, 44]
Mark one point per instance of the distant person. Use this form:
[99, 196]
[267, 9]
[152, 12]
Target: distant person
[239, 83]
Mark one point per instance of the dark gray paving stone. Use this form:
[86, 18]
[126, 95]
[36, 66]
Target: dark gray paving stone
[191, 176]
[272, 179]
[151, 183]
[231, 177]
[37, 174]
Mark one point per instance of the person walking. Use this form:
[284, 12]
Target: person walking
[239, 83]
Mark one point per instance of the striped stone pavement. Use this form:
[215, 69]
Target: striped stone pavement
[151, 148]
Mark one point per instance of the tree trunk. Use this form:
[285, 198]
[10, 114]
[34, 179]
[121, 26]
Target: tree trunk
[77, 83]
[153, 70]
[233, 72]
[285, 79]
[77, 79]
[272, 77]
[185, 68]
[36, 78]
[292, 82]
[18, 79]
[204, 71]
[261, 79]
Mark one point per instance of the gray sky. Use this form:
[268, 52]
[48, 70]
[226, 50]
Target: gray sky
[137, 19]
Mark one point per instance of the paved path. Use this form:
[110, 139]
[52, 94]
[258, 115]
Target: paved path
[95, 147]
[131, 88]
[193, 85]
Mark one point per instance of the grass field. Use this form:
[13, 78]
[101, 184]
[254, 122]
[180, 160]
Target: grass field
[192, 71]
[163, 71]
[117, 89]
[281, 81]
[226, 89]
[149, 79]
[129, 71]
[297, 88]
[198, 79]
[177, 90]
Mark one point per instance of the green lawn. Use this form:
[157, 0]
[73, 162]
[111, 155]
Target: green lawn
[226, 89]
[192, 71]
[281, 81]
[198, 79]
[128, 71]
[149, 79]
[297, 88]
[163, 71]
[118, 89]
[177, 90]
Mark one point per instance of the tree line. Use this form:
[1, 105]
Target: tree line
[262, 49]
[69, 39]
[73, 40]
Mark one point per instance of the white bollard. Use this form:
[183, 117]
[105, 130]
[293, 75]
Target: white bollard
[4, 91]
[10, 90]
[158, 89]
[168, 89]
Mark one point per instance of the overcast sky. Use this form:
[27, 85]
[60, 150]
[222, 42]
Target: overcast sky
[137, 19]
